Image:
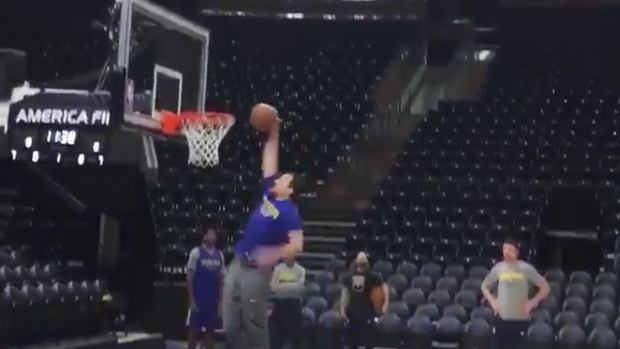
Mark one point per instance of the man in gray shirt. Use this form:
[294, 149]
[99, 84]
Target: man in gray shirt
[512, 305]
[287, 285]
[288, 279]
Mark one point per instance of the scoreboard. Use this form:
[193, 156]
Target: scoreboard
[59, 145]
[60, 126]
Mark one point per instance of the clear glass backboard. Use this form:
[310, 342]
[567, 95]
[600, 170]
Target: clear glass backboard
[166, 59]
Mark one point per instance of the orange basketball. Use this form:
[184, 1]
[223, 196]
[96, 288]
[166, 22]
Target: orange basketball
[263, 117]
[377, 297]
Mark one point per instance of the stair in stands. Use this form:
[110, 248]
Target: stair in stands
[324, 236]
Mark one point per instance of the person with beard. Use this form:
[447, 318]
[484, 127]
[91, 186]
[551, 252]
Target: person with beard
[356, 304]
[513, 279]
[205, 271]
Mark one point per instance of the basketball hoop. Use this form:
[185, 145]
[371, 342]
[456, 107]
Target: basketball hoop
[204, 133]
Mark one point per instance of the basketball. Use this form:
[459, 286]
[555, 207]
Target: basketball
[377, 297]
[263, 117]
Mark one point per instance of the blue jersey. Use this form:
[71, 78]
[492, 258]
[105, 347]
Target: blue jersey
[208, 270]
[269, 223]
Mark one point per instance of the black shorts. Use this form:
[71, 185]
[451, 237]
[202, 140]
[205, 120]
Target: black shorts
[511, 334]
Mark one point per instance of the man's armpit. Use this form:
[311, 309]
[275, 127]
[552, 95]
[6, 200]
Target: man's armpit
[377, 280]
[492, 277]
[533, 275]
[192, 260]
[296, 238]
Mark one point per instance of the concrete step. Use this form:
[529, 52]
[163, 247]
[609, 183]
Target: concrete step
[317, 212]
[322, 229]
[314, 261]
[323, 246]
[324, 239]
[316, 255]
[329, 224]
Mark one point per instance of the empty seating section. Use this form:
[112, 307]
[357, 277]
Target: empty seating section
[429, 302]
[318, 74]
[61, 42]
[38, 305]
[42, 298]
[475, 171]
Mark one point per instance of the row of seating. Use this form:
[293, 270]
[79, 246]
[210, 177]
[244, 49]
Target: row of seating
[476, 171]
[419, 331]
[429, 302]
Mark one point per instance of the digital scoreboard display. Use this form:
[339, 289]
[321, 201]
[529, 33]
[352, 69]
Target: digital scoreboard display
[60, 126]
[62, 146]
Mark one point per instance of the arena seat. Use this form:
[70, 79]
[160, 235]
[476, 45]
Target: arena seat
[571, 336]
[541, 315]
[540, 336]
[321, 115]
[477, 334]
[419, 332]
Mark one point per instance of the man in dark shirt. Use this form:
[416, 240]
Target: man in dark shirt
[356, 305]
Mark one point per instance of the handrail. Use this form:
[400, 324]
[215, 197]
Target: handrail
[56, 188]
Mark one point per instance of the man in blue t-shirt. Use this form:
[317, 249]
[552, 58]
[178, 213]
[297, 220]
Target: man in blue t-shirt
[272, 232]
[205, 271]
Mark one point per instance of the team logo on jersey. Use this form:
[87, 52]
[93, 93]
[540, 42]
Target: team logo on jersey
[267, 209]
[211, 263]
[357, 283]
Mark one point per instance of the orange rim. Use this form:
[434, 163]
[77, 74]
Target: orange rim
[171, 122]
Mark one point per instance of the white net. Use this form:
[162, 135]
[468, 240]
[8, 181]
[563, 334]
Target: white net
[203, 139]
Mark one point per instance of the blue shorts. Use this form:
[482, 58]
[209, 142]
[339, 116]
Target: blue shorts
[205, 319]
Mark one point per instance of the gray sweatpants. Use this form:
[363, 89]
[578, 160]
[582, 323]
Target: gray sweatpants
[244, 306]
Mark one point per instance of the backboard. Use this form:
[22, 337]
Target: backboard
[165, 57]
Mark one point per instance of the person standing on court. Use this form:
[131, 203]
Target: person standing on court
[205, 272]
[287, 285]
[273, 231]
[511, 303]
[356, 305]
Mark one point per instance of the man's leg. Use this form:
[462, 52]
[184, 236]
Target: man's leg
[508, 334]
[231, 308]
[254, 299]
[368, 333]
[210, 325]
[520, 332]
[276, 324]
[193, 328]
[353, 333]
[292, 323]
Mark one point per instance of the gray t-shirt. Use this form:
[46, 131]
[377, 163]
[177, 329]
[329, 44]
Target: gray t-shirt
[513, 280]
[288, 282]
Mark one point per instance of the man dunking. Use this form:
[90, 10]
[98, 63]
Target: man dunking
[205, 271]
[512, 305]
[272, 232]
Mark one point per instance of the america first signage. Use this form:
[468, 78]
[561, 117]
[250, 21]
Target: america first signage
[62, 117]
[61, 110]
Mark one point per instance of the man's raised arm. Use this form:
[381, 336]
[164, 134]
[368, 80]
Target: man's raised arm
[271, 149]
